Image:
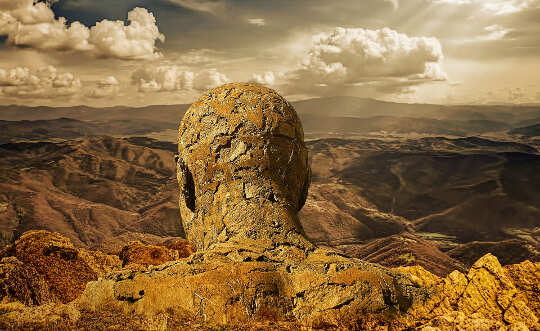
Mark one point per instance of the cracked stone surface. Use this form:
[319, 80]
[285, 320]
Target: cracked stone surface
[243, 175]
[486, 298]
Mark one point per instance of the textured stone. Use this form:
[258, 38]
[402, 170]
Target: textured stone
[526, 278]
[22, 283]
[243, 174]
[139, 253]
[182, 246]
[240, 146]
[65, 269]
[484, 299]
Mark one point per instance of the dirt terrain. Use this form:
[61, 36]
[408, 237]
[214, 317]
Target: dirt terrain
[438, 202]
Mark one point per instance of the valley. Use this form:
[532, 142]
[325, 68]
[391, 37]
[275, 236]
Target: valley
[437, 202]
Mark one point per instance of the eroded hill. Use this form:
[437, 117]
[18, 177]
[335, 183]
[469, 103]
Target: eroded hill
[441, 203]
[97, 192]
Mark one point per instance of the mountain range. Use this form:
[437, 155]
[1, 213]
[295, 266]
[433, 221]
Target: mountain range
[330, 116]
[396, 184]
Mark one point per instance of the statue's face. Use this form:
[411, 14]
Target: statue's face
[241, 141]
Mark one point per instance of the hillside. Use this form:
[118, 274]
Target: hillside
[321, 117]
[528, 131]
[67, 128]
[98, 191]
[389, 202]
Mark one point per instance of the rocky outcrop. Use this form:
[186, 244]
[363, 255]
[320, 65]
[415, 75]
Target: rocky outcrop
[146, 255]
[487, 297]
[526, 278]
[46, 267]
[182, 246]
[23, 283]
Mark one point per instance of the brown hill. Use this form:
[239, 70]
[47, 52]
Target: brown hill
[406, 249]
[445, 192]
[105, 192]
[476, 194]
[66, 128]
[91, 190]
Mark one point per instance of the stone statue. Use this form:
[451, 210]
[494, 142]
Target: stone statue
[244, 175]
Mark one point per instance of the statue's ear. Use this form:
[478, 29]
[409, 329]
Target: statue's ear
[305, 189]
[187, 186]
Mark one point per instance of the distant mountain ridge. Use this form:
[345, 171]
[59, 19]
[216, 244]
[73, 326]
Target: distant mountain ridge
[341, 116]
[68, 128]
[338, 106]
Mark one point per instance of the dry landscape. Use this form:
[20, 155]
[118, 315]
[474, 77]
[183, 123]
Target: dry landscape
[436, 204]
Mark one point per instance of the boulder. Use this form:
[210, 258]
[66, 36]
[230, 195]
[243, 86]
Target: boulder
[20, 282]
[65, 269]
[138, 253]
[488, 297]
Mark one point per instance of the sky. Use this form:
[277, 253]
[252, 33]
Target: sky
[126, 52]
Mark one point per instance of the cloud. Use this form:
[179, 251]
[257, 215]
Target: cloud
[495, 32]
[208, 79]
[268, 78]
[515, 94]
[383, 60]
[134, 41]
[174, 78]
[209, 6]
[32, 24]
[257, 21]
[22, 82]
[106, 88]
[109, 81]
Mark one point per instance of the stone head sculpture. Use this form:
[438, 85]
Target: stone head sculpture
[243, 174]
[242, 166]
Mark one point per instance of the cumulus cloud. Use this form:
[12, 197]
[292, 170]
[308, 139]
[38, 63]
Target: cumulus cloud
[384, 60]
[28, 23]
[46, 82]
[106, 88]
[174, 78]
[208, 79]
[268, 78]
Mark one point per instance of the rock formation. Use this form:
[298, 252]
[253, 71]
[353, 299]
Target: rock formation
[146, 255]
[23, 283]
[46, 267]
[488, 297]
[243, 174]
[182, 246]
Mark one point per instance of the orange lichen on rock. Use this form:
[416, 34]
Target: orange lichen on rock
[23, 283]
[182, 246]
[138, 253]
[65, 269]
